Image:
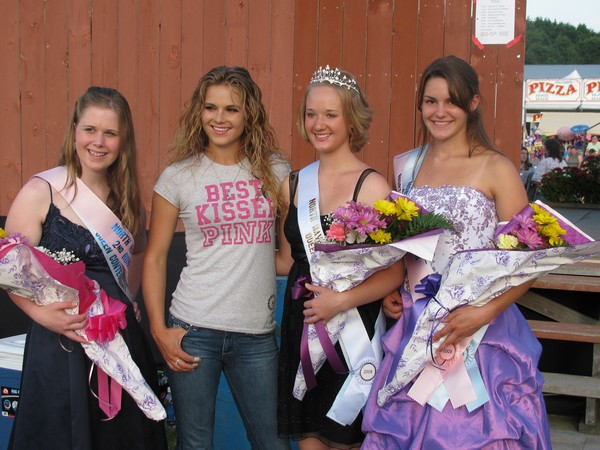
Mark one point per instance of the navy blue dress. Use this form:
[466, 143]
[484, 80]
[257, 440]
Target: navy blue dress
[57, 408]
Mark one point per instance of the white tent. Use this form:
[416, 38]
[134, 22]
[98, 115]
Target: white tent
[552, 121]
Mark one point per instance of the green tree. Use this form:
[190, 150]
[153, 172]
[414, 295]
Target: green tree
[551, 42]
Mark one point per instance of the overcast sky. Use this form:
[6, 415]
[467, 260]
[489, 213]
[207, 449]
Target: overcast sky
[571, 11]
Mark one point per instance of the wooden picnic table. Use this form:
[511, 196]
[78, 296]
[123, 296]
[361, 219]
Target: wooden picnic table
[568, 324]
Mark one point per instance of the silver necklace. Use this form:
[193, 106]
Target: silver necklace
[228, 194]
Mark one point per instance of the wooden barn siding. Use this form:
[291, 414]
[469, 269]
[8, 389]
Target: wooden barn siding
[155, 51]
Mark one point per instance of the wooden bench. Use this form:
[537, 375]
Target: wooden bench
[566, 324]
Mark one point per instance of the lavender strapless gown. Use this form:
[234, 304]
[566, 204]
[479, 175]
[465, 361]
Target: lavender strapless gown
[515, 417]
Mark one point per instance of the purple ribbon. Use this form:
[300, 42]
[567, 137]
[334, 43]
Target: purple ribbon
[428, 286]
[299, 292]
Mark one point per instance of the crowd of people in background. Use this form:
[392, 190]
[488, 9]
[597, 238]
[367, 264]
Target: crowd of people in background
[540, 156]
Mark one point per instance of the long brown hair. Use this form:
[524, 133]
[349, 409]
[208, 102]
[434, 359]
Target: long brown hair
[463, 86]
[258, 141]
[124, 196]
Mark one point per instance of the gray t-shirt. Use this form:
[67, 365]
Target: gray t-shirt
[228, 282]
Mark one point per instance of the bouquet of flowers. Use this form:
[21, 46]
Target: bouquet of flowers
[361, 241]
[535, 242]
[35, 274]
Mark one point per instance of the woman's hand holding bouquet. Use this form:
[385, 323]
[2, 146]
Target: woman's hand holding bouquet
[57, 281]
[362, 240]
[535, 242]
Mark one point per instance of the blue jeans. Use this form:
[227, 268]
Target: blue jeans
[249, 362]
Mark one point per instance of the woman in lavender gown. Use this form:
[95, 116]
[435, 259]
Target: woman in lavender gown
[465, 178]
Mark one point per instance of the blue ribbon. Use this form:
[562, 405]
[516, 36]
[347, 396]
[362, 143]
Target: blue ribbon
[429, 287]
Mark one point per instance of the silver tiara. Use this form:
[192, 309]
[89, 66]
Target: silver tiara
[333, 76]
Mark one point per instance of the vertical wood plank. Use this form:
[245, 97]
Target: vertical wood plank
[354, 38]
[403, 111]
[128, 54]
[215, 34]
[105, 43]
[56, 75]
[10, 105]
[147, 133]
[509, 101]
[484, 61]
[457, 29]
[259, 45]
[430, 33]
[33, 95]
[379, 47]
[236, 33]
[170, 77]
[80, 51]
[330, 33]
[192, 45]
[305, 62]
[280, 104]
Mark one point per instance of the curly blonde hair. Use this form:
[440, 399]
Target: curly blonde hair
[258, 141]
[124, 197]
[355, 108]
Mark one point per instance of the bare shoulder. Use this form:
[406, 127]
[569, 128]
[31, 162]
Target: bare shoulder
[374, 187]
[35, 191]
[505, 185]
[28, 210]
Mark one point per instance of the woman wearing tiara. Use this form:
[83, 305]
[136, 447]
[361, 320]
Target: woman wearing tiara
[334, 118]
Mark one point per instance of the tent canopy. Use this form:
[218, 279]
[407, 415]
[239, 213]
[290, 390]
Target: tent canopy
[552, 121]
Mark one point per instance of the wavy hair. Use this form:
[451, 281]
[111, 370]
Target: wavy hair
[258, 141]
[463, 86]
[124, 197]
[355, 108]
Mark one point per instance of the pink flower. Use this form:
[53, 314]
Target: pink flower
[13, 238]
[529, 237]
[525, 221]
[337, 232]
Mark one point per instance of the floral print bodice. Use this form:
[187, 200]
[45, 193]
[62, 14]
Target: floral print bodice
[471, 212]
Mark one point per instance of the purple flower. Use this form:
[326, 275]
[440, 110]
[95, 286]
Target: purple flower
[529, 237]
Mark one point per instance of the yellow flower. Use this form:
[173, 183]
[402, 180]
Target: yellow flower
[507, 241]
[553, 231]
[2, 233]
[406, 209]
[381, 237]
[385, 207]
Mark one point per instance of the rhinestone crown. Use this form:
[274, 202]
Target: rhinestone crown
[333, 76]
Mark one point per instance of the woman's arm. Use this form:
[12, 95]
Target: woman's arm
[154, 282]
[283, 256]
[465, 321]
[26, 216]
[328, 303]
[510, 198]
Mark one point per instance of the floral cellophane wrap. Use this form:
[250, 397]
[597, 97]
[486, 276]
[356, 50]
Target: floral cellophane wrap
[474, 277]
[28, 272]
[341, 268]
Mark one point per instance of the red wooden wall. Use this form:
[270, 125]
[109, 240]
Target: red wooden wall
[154, 51]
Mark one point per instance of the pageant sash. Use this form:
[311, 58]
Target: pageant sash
[113, 238]
[309, 215]
[361, 355]
[406, 168]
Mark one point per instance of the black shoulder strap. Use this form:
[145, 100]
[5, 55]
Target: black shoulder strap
[359, 183]
[293, 185]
